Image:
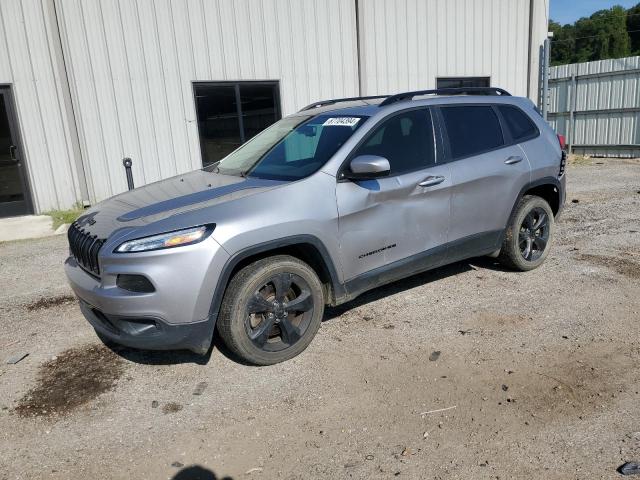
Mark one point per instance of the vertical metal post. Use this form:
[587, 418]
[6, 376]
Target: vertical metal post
[545, 78]
[239, 111]
[572, 108]
[127, 168]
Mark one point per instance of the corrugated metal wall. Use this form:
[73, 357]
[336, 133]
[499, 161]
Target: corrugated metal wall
[98, 80]
[29, 63]
[606, 106]
[406, 44]
[131, 65]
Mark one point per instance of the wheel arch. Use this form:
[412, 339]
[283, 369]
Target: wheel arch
[307, 248]
[548, 192]
[548, 188]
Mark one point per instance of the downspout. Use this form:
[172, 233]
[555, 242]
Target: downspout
[359, 60]
[529, 56]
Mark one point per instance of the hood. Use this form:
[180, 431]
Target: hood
[166, 198]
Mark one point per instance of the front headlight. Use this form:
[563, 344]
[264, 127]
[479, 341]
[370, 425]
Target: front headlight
[173, 239]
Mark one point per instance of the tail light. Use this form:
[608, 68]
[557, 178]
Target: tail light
[562, 141]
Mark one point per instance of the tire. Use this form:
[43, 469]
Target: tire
[523, 230]
[271, 310]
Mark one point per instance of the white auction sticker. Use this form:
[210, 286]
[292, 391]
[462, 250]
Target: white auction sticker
[341, 122]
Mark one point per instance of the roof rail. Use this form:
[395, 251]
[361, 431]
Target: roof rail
[445, 91]
[322, 103]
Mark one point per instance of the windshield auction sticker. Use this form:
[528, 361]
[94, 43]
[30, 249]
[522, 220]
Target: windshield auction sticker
[341, 122]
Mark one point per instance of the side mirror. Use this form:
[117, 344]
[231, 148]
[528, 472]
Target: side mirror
[365, 167]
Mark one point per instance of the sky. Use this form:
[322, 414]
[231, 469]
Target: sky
[568, 11]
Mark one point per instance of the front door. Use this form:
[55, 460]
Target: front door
[387, 225]
[14, 198]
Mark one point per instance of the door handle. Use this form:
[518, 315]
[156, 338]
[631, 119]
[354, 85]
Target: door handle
[513, 160]
[431, 180]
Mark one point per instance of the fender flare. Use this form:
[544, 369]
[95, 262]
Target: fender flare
[338, 288]
[536, 183]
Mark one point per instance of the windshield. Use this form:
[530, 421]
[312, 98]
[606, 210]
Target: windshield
[291, 149]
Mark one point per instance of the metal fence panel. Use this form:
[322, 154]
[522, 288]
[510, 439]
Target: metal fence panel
[596, 106]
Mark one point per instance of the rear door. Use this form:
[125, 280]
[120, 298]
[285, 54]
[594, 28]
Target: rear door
[488, 171]
[387, 220]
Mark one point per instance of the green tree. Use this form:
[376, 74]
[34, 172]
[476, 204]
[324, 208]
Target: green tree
[563, 44]
[633, 27]
[602, 35]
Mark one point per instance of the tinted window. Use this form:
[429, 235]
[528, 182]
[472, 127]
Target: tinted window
[520, 126]
[472, 129]
[406, 140]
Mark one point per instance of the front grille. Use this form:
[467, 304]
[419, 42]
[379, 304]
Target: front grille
[84, 247]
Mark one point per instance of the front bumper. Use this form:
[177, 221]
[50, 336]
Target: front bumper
[176, 315]
[149, 333]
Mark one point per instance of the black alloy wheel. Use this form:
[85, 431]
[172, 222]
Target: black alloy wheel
[534, 234]
[271, 310]
[529, 234]
[279, 312]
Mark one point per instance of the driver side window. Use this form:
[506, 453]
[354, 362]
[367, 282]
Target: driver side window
[406, 140]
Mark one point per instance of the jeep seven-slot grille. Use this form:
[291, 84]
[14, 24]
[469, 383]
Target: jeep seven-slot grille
[84, 247]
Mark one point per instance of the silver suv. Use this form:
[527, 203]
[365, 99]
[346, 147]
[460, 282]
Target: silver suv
[342, 197]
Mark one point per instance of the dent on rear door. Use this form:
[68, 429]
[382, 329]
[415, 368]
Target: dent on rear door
[485, 189]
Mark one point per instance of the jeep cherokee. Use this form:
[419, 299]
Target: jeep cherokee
[342, 197]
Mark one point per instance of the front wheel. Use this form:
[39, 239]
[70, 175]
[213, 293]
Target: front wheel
[529, 235]
[271, 310]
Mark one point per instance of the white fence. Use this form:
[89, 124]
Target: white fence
[596, 105]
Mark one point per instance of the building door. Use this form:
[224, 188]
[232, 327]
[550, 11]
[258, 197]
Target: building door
[229, 114]
[14, 193]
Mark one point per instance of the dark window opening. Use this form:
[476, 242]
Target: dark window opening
[406, 140]
[519, 124]
[229, 114]
[472, 129]
[462, 82]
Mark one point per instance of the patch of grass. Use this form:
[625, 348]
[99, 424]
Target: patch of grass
[578, 160]
[60, 217]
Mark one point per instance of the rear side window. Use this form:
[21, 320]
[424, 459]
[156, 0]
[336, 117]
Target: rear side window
[472, 129]
[406, 140]
[520, 126]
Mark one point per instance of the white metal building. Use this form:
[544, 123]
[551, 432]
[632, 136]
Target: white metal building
[174, 84]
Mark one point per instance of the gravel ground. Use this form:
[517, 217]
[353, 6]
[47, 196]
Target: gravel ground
[538, 373]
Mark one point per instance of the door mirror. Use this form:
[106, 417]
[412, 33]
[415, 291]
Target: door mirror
[365, 167]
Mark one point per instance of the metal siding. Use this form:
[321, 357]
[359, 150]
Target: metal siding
[132, 65]
[29, 64]
[598, 98]
[407, 44]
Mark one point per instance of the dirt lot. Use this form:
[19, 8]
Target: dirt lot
[538, 373]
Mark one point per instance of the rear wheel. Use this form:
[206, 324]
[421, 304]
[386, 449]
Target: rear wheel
[529, 235]
[271, 310]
